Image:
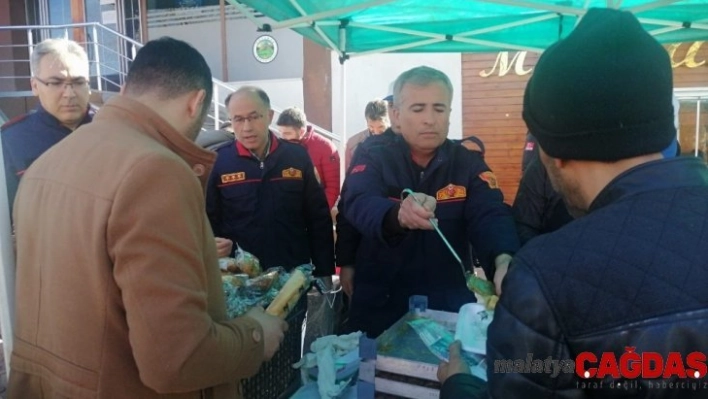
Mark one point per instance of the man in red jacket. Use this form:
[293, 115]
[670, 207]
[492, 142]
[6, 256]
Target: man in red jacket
[293, 126]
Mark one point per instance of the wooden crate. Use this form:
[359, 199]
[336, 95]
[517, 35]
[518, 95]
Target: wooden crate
[398, 362]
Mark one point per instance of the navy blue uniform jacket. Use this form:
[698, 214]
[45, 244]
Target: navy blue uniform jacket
[27, 137]
[274, 209]
[470, 209]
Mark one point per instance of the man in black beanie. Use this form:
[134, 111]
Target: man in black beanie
[583, 306]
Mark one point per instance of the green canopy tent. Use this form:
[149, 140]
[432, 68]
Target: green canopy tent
[354, 28]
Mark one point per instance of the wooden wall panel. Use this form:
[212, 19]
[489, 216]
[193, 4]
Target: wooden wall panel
[492, 105]
[492, 111]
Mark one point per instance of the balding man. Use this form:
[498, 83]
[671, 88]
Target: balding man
[263, 194]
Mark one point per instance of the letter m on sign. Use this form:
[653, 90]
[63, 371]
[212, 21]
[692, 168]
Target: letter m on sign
[504, 65]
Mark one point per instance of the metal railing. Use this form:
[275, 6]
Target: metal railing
[110, 54]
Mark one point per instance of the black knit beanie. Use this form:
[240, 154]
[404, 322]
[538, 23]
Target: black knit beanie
[603, 93]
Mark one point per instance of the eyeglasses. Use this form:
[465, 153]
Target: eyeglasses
[76, 84]
[240, 121]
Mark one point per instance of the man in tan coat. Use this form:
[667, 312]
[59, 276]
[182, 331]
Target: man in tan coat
[119, 291]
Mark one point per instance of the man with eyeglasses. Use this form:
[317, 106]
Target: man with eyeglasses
[118, 286]
[60, 80]
[263, 194]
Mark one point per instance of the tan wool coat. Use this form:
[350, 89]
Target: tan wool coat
[118, 291]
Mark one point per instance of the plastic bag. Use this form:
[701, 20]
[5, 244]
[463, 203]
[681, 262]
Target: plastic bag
[472, 323]
[243, 293]
[322, 311]
[228, 265]
[247, 263]
[333, 362]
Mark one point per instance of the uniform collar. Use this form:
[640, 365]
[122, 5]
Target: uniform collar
[153, 125]
[245, 152]
[438, 158]
[650, 176]
[51, 120]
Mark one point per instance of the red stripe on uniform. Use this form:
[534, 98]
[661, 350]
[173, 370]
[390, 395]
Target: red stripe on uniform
[285, 178]
[447, 201]
[237, 182]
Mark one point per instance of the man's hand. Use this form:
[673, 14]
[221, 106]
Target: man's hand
[223, 247]
[455, 366]
[273, 330]
[346, 279]
[416, 211]
[501, 263]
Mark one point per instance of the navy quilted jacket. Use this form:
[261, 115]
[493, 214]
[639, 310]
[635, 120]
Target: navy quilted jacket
[631, 273]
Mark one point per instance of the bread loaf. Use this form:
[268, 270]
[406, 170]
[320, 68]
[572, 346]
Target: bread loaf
[288, 295]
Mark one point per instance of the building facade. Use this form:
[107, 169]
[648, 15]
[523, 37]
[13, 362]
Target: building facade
[296, 72]
[493, 87]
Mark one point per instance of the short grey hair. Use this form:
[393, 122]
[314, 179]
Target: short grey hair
[419, 76]
[60, 48]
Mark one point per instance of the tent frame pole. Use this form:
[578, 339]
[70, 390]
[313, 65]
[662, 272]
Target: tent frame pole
[246, 13]
[493, 44]
[7, 264]
[539, 6]
[397, 48]
[343, 102]
[673, 24]
[496, 28]
[317, 29]
[648, 6]
[288, 23]
[585, 7]
[391, 29]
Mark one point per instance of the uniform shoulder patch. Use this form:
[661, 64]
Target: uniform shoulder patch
[14, 121]
[233, 177]
[292, 173]
[357, 169]
[530, 146]
[490, 179]
[450, 192]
